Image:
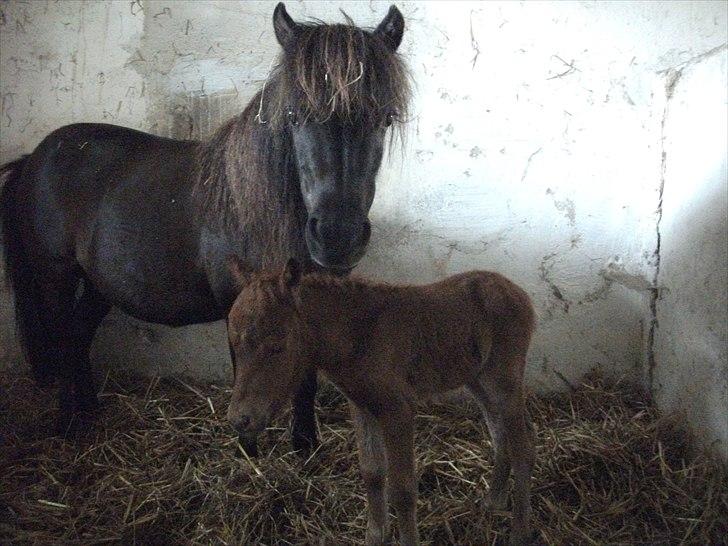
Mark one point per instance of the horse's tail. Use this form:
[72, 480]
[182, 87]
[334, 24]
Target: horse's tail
[18, 273]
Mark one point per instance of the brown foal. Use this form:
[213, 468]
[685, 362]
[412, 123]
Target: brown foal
[385, 347]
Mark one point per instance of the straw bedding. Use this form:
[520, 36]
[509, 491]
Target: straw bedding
[160, 466]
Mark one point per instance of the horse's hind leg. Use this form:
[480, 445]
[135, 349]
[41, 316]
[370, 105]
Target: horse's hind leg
[48, 350]
[88, 312]
[68, 326]
[303, 429]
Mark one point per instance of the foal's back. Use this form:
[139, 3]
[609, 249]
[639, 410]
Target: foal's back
[441, 335]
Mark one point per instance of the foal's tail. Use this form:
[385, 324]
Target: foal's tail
[509, 311]
[18, 273]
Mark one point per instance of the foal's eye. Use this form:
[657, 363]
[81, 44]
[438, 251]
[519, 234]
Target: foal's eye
[388, 119]
[292, 117]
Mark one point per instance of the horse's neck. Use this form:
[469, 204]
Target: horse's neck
[247, 192]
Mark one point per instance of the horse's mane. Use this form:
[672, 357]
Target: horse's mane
[246, 172]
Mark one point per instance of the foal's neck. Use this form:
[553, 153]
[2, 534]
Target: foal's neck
[339, 310]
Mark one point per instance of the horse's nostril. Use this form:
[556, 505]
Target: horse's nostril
[314, 227]
[366, 232]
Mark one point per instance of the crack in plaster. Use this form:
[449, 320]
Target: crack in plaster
[544, 273]
[690, 62]
[528, 164]
[672, 76]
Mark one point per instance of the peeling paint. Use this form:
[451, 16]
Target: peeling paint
[568, 208]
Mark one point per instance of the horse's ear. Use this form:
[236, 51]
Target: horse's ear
[286, 28]
[391, 28]
[241, 275]
[292, 273]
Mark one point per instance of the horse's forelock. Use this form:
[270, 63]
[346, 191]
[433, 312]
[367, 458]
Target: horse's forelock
[340, 70]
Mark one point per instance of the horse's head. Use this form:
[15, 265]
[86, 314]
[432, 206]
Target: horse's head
[265, 335]
[337, 89]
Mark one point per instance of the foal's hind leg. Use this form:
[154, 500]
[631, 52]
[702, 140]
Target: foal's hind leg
[498, 494]
[373, 467]
[503, 400]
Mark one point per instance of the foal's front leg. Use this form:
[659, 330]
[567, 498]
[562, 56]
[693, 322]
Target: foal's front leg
[398, 432]
[372, 464]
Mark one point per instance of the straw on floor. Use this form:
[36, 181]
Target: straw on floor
[161, 466]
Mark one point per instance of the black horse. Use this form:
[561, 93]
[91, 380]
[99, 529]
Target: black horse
[99, 215]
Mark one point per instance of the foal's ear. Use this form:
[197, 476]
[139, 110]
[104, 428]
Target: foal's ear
[241, 275]
[286, 28]
[391, 28]
[292, 273]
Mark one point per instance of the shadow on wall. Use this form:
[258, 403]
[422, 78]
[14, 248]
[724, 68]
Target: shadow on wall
[402, 252]
[691, 343]
[581, 327]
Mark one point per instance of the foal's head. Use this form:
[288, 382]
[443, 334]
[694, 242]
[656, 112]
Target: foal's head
[266, 344]
[337, 89]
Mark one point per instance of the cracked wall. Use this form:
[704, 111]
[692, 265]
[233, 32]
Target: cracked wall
[534, 147]
[689, 370]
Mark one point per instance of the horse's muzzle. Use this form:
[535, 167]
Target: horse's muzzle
[337, 245]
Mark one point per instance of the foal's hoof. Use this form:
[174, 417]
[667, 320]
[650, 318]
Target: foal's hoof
[525, 538]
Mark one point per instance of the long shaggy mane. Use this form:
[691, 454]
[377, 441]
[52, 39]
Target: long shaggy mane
[339, 71]
[247, 177]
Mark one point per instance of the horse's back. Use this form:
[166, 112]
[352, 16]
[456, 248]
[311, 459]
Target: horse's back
[116, 204]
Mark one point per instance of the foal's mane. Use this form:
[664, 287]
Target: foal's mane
[246, 174]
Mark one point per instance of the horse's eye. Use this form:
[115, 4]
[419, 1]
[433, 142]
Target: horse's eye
[292, 117]
[388, 119]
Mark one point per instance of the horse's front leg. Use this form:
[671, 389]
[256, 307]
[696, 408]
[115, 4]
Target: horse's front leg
[398, 432]
[373, 467]
[303, 429]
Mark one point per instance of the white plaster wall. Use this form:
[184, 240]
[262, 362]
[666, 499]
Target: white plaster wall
[691, 340]
[534, 146]
[62, 62]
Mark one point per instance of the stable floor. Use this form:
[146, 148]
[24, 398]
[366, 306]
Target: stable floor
[161, 466]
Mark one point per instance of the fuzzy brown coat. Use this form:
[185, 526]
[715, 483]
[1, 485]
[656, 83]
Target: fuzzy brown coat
[386, 347]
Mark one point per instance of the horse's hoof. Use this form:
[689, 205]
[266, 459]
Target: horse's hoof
[65, 423]
[249, 447]
[496, 502]
[304, 444]
[88, 404]
[376, 537]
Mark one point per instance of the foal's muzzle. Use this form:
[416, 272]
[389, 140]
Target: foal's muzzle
[337, 244]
